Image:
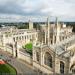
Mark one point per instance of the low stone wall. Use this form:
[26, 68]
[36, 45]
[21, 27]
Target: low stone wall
[24, 56]
[42, 68]
[9, 49]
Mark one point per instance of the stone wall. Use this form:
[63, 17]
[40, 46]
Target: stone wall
[42, 68]
[7, 49]
[57, 64]
[24, 56]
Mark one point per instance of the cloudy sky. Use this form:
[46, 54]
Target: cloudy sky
[21, 10]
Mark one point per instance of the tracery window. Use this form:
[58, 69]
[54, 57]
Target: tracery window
[37, 56]
[48, 60]
[61, 67]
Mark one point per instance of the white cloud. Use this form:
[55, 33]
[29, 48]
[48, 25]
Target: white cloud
[60, 8]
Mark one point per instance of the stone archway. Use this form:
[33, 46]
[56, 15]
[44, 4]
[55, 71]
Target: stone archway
[48, 59]
[16, 47]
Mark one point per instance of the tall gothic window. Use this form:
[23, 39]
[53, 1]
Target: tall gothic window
[37, 56]
[61, 67]
[48, 60]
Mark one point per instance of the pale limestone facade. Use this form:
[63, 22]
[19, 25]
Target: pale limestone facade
[53, 46]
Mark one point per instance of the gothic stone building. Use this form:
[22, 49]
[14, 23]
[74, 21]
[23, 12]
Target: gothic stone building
[53, 46]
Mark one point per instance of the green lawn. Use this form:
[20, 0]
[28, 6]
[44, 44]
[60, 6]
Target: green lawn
[6, 68]
[28, 47]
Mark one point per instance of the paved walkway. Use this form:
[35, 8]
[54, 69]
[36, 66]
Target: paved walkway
[21, 67]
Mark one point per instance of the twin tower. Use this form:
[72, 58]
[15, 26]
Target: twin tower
[53, 32]
[49, 36]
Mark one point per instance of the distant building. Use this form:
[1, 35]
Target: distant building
[30, 25]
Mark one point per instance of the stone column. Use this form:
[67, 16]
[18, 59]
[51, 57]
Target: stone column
[26, 38]
[14, 50]
[60, 38]
[41, 57]
[58, 31]
[57, 65]
[53, 39]
[34, 55]
[18, 47]
[3, 42]
[48, 34]
[45, 37]
[35, 38]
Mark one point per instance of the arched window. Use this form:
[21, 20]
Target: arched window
[72, 68]
[61, 67]
[37, 56]
[48, 60]
[73, 71]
